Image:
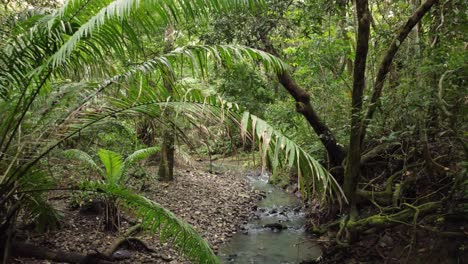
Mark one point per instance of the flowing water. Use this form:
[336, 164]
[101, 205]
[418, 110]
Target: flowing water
[276, 233]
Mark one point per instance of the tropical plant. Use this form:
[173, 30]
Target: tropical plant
[57, 69]
[344, 53]
[115, 173]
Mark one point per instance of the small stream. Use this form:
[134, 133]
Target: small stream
[275, 234]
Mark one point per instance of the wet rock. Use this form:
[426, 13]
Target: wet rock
[297, 209]
[121, 254]
[275, 226]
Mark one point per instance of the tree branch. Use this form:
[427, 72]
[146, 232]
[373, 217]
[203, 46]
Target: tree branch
[335, 151]
[386, 63]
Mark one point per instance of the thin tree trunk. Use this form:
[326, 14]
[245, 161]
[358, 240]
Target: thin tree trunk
[352, 170]
[386, 63]
[166, 164]
[347, 62]
[335, 151]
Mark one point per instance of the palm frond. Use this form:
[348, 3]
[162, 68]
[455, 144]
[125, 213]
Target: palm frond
[156, 219]
[184, 157]
[113, 163]
[83, 157]
[140, 155]
[137, 156]
[36, 208]
[313, 178]
[163, 13]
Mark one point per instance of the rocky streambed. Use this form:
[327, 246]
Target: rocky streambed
[275, 233]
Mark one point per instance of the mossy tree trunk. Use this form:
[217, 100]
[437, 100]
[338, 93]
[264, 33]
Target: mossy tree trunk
[360, 122]
[352, 170]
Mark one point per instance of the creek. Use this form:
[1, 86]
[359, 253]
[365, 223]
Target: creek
[275, 234]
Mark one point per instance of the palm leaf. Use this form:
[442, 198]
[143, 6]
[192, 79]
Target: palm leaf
[313, 178]
[165, 12]
[83, 157]
[140, 155]
[113, 163]
[155, 218]
[137, 156]
[34, 201]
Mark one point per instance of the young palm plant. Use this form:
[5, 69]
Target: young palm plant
[115, 173]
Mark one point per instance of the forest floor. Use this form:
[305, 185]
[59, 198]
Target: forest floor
[215, 204]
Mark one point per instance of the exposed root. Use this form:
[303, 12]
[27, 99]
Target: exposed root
[383, 221]
[123, 239]
[127, 239]
[389, 196]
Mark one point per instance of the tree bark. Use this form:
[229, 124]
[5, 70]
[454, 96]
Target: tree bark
[334, 150]
[352, 170]
[386, 63]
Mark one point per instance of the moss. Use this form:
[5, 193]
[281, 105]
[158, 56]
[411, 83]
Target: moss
[382, 221]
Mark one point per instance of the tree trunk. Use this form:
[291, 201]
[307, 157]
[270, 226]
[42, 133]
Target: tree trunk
[335, 151]
[352, 170]
[166, 164]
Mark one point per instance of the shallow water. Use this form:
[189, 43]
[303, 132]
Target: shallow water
[260, 244]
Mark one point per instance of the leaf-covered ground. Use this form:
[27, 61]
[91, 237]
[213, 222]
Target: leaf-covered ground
[215, 204]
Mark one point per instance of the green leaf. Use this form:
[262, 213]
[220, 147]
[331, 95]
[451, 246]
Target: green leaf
[83, 157]
[113, 163]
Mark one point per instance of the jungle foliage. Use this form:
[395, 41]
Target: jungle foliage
[362, 104]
